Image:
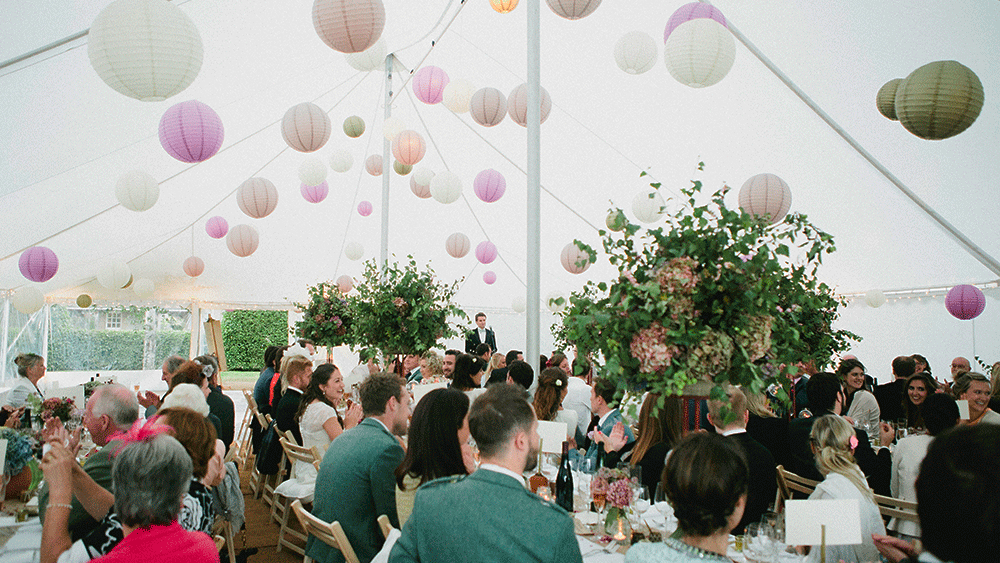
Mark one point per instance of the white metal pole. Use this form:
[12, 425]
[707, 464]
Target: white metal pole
[534, 161]
[386, 167]
[194, 348]
[46, 325]
[6, 333]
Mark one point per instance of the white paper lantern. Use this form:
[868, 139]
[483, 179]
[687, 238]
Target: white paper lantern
[699, 52]
[114, 275]
[457, 245]
[517, 104]
[421, 191]
[874, 298]
[573, 9]
[457, 95]
[312, 171]
[354, 250]
[519, 304]
[766, 195]
[647, 206]
[146, 49]
[446, 187]
[488, 107]
[556, 301]
[345, 283]
[372, 58]
[137, 190]
[408, 147]
[306, 127]
[194, 266]
[242, 240]
[143, 287]
[572, 258]
[28, 299]
[257, 197]
[423, 176]
[391, 127]
[635, 52]
[373, 165]
[349, 26]
[341, 160]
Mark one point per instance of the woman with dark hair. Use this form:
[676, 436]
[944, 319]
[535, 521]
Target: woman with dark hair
[218, 403]
[468, 375]
[553, 385]
[657, 434]
[559, 360]
[918, 387]
[921, 364]
[705, 481]
[860, 406]
[438, 445]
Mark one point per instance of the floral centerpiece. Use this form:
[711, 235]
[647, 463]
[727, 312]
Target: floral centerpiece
[328, 316]
[62, 408]
[616, 487]
[719, 296]
[20, 450]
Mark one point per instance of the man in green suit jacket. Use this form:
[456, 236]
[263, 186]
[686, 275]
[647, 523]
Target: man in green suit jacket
[356, 481]
[510, 523]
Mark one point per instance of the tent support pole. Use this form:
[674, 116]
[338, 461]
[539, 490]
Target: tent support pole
[46, 326]
[6, 334]
[532, 348]
[386, 167]
[194, 347]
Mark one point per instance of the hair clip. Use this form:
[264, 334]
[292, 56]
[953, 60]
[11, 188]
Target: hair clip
[140, 432]
[558, 383]
[853, 442]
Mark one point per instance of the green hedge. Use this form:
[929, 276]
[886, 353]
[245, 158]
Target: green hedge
[78, 349]
[246, 334]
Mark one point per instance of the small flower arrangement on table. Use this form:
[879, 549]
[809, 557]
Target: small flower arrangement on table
[62, 408]
[616, 488]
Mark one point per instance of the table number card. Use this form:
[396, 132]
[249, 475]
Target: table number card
[804, 520]
[963, 409]
[553, 434]
[420, 390]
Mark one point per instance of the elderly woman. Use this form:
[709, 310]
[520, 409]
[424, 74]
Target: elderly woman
[860, 406]
[218, 403]
[31, 368]
[975, 388]
[193, 373]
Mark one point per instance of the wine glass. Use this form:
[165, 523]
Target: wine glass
[642, 503]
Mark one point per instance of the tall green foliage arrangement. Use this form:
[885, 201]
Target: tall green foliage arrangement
[245, 335]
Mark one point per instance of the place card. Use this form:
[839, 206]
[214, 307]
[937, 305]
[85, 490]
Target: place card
[553, 434]
[963, 409]
[804, 520]
[3, 456]
[420, 390]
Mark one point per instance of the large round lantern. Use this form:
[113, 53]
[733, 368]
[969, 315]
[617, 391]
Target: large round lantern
[391, 127]
[556, 301]
[28, 300]
[143, 287]
[306, 127]
[692, 11]
[429, 83]
[519, 304]
[370, 59]
[312, 171]
[257, 197]
[574, 260]
[365, 208]
[194, 266]
[486, 252]
[315, 194]
[939, 100]
[341, 160]
[766, 196]
[146, 49]
[503, 6]
[137, 190]
[647, 206]
[128, 284]
[402, 169]
[700, 52]
[965, 302]
[423, 176]
[874, 298]
[423, 191]
[349, 26]
[345, 283]
[373, 165]
[517, 104]
[457, 245]
[354, 126]
[217, 227]
[635, 52]
[446, 187]
[83, 301]
[191, 131]
[38, 264]
[573, 9]
[408, 147]
[457, 95]
[114, 274]
[488, 106]
[616, 220]
[489, 277]
[885, 100]
[354, 251]
[489, 185]
[242, 240]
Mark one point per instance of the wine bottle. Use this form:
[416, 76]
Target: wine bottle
[564, 481]
[538, 481]
[600, 456]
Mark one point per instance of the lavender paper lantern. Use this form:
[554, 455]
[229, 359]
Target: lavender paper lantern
[489, 185]
[257, 197]
[488, 107]
[766, 196]
[429, 83]
[692, 11]
[490, 277]
[573, 9]
[345, 283]
[242, 240]
[965, 302]
[700, 52]
[574, 260]
[423, 191]
[349, 26]
[517, 104]
[457, 245]
[486, 252]
[408, 147]
[373, 165]
[194, 266]
[191, 131]
[305, 127]
[314, 194]
[38, 264]
[217, 227]
[365, 208]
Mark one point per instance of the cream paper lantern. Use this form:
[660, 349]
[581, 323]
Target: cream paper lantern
[699, 52]
[354, 250]
[457, 95]
[766, 196]
[312, 171]
[423, 175]
[419, 190]
[242, 240]
[137, 190]
[149, 50]
[28, 300]
[488, 107]
[556, 301]
[391, 127]
[114, 275]
[446, 187]
[885, 100]
[457, 245]
[306, 127]
[402, 169]
[874, 298]
[573, 9]
[354, 126]
[517, 104]
[349, 26]
[372, 58]
[257, 197]
[616, 220]
[345, 283]
[373, 165]
[939, 100]
[519, 304]
[194, 266]
[143, 287]
[635, 52]
[341, 160]
[574, 260]
[83, 301]
[647, 206]
[408, 147]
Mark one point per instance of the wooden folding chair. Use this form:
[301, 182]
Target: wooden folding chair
[280, 509]
[243, 435]
[256, 478]
[270, 484]
[224, 528]
[384, 525]
[788, 482]
[331, 534]
[897, 508]
[219, 542]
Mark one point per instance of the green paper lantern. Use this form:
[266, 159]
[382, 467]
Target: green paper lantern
[939, 100]
[400, 168]
[354, 127]
[886, 99]
[83, 301]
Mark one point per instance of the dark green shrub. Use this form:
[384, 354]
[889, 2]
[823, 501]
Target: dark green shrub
[246, 334]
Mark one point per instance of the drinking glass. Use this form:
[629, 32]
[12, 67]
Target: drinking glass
[642, 503]
[759, 544]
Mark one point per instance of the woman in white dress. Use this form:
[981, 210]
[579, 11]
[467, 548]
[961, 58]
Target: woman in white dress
[861, 406]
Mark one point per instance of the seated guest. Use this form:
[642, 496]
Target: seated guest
[193, 373]
[496, 361]
[468, 375]
[510, 523]
[578, 398]
[860, 405]
[437, 445]
[355, 483]
[296, 371]
[833, 440]
[30, 368]
[448, 362]
[430, 367]
[559, 360]
[218, 403]
[975, 388]
[765, 426]
[890, 395]
[499, 374]
[150, 401]
[260, 388]
[520, 373]
[553, 384]
[657, 435]
[918, 387]
[605, 416]
[706, 484]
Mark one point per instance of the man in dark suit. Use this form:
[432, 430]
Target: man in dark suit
[356, 482]
[499, 375]
[480, 335]
[295, 373]
[890, 395]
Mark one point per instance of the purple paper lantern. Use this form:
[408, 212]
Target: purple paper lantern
[489, 185]
[38, 264]
[217, 227]
[315, 194]
[692, 11]
[365, 208]
[429, 83]
[191, 131]
[486, 252]
[965, 302]
[490, 277]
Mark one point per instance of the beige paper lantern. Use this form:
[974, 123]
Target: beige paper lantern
[488, 107]
[635, 52]
[137, 190]
[345, 283]
[503, 6]
[373, 165]
[457, 245]
[423, 191]
[766, 196]
[886, 98]
[114, 274]
[517, 104]
[519, 304]
[349, 26]
[423, 175]
[699, 52]
[446, 187]
[573, 9]
[149, 50]
[372, 58]
[194, 266]
[556, 301]
[574, 260]
[354, 126]
[83, 301]
[401, 169]
[312, 171]
[647, 206]
[143, 287]
[242, 240]
[341, 160]
[408, 147]
[306, 127]
[28, 300]
[939, 100]
[874, 298]
[457, 95]
[257, 197]
[391, 127]
[354, 251]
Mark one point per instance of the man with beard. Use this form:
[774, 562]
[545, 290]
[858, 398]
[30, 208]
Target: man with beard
[511, 524]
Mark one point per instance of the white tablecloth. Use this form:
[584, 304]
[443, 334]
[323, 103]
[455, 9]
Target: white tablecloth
[25, 543]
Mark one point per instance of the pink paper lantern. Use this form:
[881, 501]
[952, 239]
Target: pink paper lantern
[965, 302]
[345, 283]
[572, 258]
[489, 185]
[457, 245]
[242, 240]
[365, 208]
[419, 190]
[486, 252]
[194, 266]
[692, 11]
[374, 165]
[257, 197]
[408, 147]
[490, 277]
[217, 227]
[314, 194]
[517, 104]
[38, 264]
[488, 107]
[429, 83]
[306, 127]
[191, 131]
[349, 26]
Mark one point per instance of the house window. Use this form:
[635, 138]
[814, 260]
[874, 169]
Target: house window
[114, 320]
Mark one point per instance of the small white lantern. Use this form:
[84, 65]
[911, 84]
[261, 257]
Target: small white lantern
[446, 187]
[354, 250]
[766, 195]
[114, 275]
[28, 299]
[373, 165]
[306, 127]
[488, 107]
[647, 206]
[457, 245]
[372, 58]
[242, 240]
[312, 171]
[574, 260]
[137, 190]
[391, 127]
[457, 95]
[573, 9]
[341, 160]
[616, 220]
[556, 301]
[517, 104]
[699, 52]
[257, 197]
[635, 52]
[143, 287]
[519, 304]
[874, 298]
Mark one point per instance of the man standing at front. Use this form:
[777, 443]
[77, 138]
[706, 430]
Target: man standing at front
[356, 481]
[480, 335]
[511, 524]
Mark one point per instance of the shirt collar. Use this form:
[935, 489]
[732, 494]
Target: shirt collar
[732, 431]
[600, 421]
[498, 469]
[294, 388]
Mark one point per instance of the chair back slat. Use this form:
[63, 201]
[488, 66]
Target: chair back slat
[300, 453]
[897, 508]
[331, 534]
[788, 482]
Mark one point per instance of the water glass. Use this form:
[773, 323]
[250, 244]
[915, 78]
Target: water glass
[759, 544]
